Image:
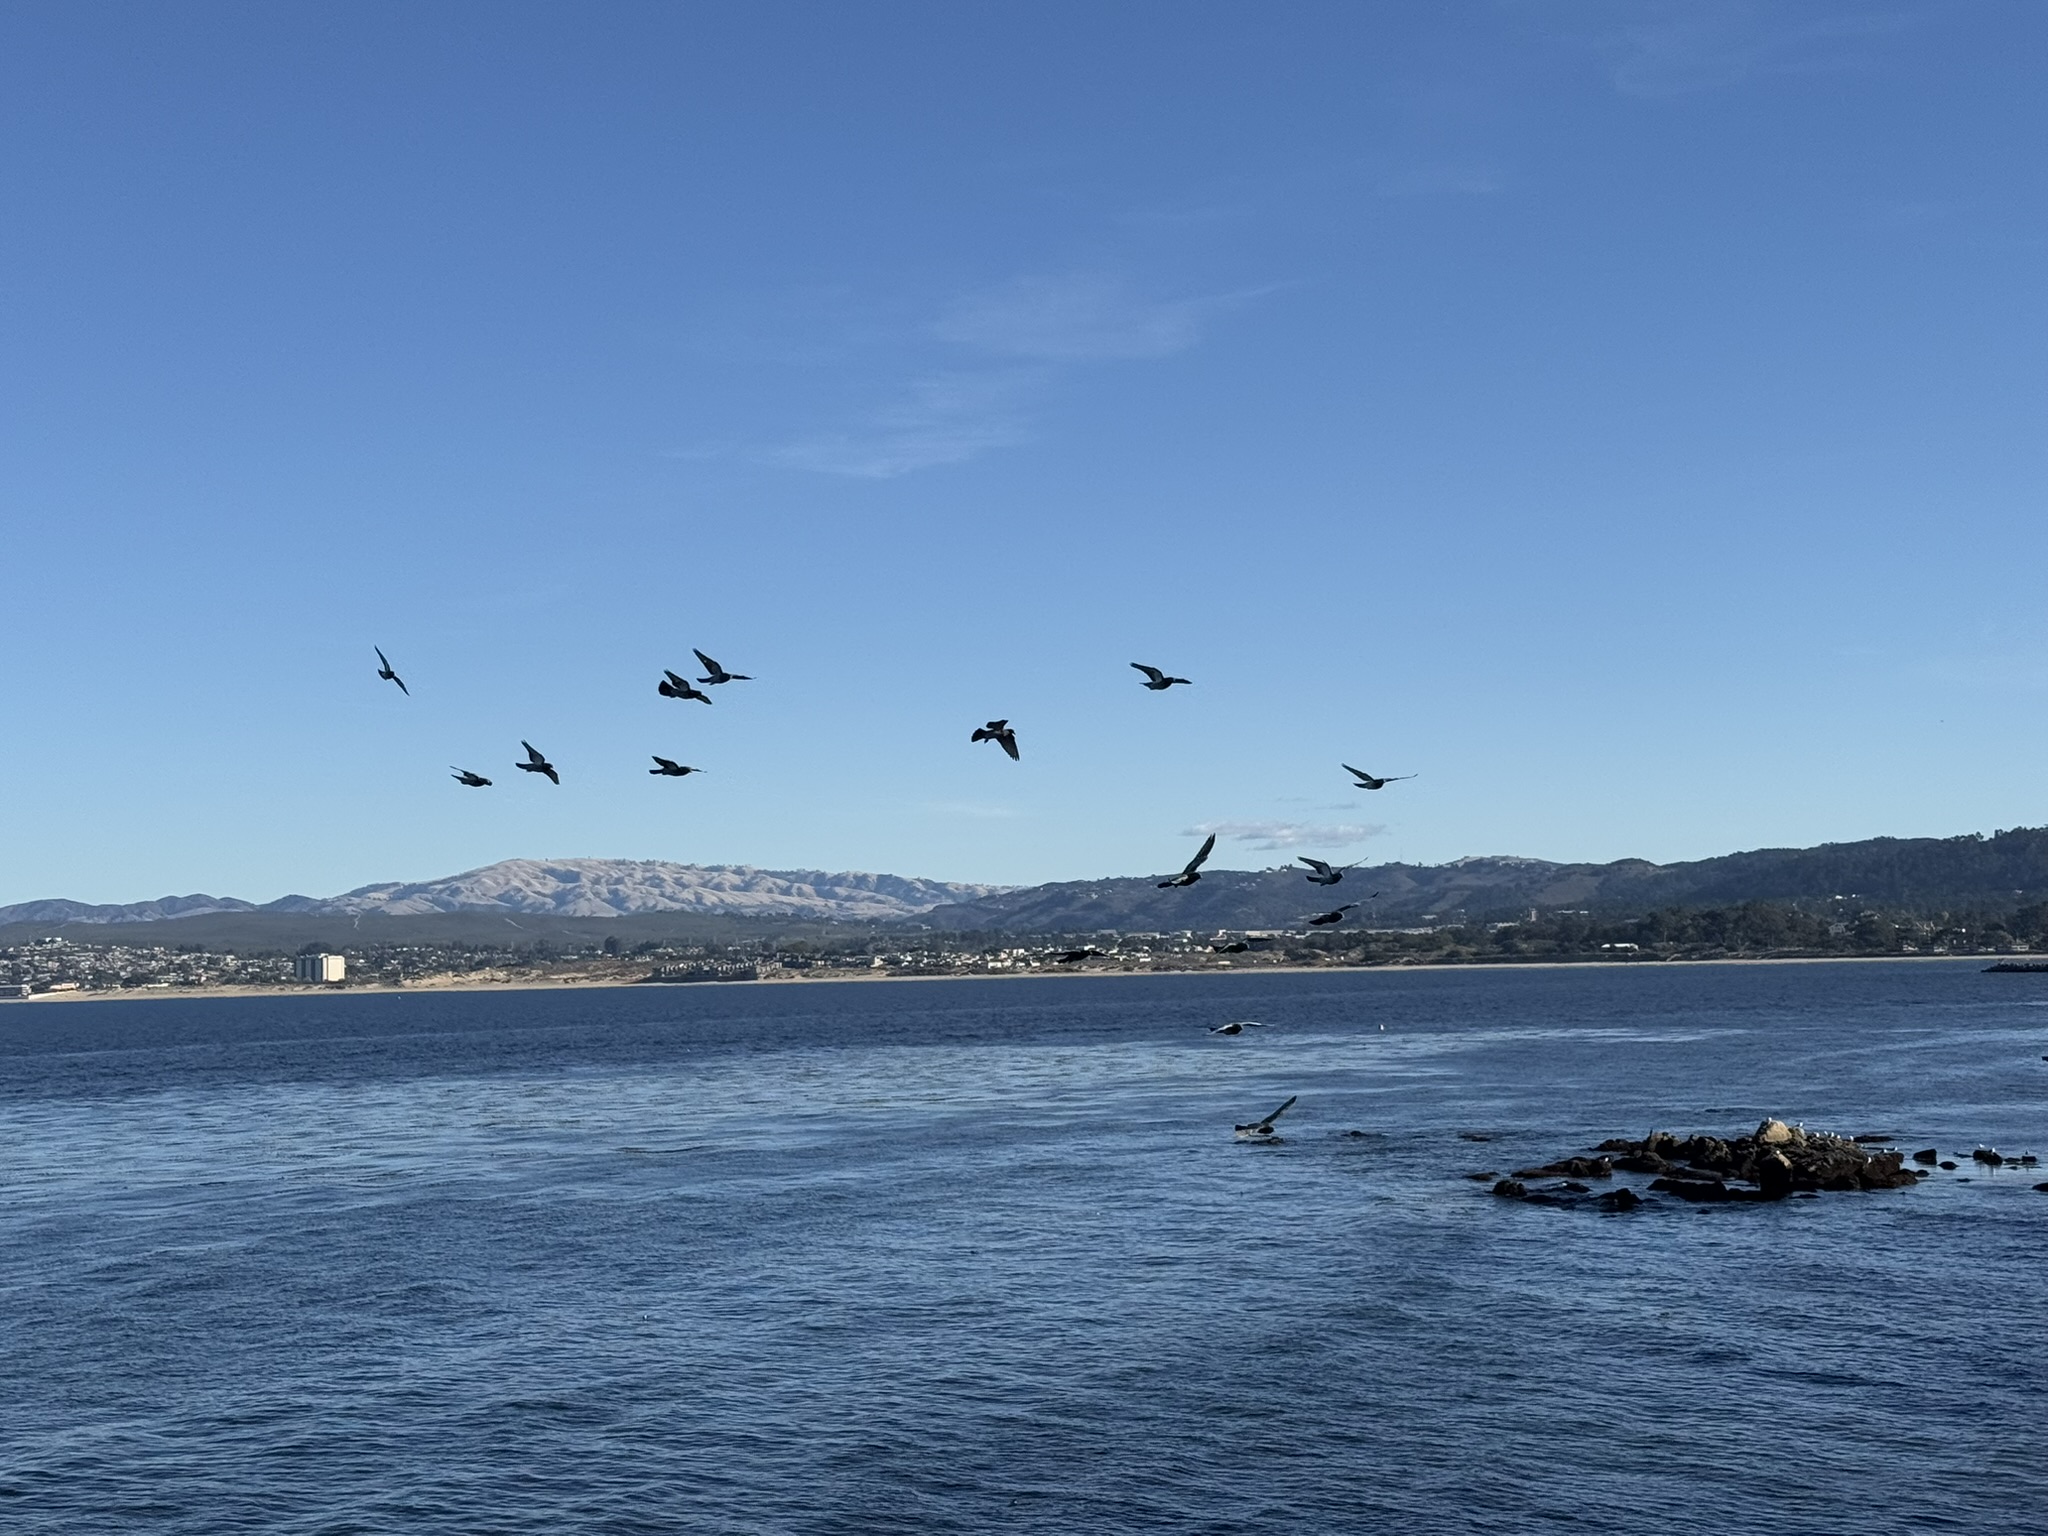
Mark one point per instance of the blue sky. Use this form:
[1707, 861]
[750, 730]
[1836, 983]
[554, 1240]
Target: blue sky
[1626, 417]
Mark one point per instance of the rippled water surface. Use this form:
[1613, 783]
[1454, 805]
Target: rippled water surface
[984, 1256]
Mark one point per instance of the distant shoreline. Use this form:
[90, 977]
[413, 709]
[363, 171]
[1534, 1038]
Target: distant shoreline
[601, 984]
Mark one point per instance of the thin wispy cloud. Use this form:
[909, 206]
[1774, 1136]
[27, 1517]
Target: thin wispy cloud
[1680, 47]
[1079, 317]
[971, 810]
[1020, 338]
[1274, 835]
[946, 418]
[1440, 178]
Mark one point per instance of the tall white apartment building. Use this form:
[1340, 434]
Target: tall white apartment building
[320, 968]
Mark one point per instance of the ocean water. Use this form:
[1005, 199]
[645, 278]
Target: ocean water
[985, 1257]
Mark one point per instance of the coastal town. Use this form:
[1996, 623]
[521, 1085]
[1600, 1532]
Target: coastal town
[57, 967]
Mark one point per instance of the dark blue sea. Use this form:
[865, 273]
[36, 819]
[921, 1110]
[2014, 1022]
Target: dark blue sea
[985, 1257]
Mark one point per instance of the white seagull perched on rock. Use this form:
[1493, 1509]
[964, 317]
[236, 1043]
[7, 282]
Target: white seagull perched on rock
[1262, 1130]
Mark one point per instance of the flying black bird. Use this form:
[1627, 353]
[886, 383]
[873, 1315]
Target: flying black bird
[718, 673]
[1234, 947]
[384, 671]
[670, 768]
[1157, 680]
[1261, 1129]
[471, 780]
[673, 687]
[1069, 956]
[1321, 873]
[1324, 919]
[535, 763]
[1367, 781]
[1236, 1027]
[1192, 873]
[999, 732]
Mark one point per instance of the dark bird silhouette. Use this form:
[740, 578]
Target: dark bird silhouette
[673, 687]
[1324, 919]
[1367, 781]
[718, 673]
[1263, 1128]
[1069, 956]
[1157, 680]
[384, 671]
[1321, 873]
[1234, 947]
[1238, 1027]
[535, 763]
[1192, 873]
[471, 780]
[999, 732]
[670, 768]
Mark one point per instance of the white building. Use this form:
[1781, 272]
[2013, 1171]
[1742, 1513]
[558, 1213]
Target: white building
[321, 968]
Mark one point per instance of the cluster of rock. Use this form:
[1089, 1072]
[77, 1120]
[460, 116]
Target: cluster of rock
[1771, 1163]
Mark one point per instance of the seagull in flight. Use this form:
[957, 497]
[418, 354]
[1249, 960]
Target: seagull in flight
[673, 687]
[1261, 1130]
[718, 673]
[384, 671]
[1367, 781]
[999, 732]
[670, 768]
[1324, 919]
[1238, 1027]
[535, 763]
[470, 780]
[1321, 873]
[1157, 680]
[1192, 873]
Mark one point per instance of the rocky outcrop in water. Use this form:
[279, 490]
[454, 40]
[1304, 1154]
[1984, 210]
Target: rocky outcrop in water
[1773, 1162]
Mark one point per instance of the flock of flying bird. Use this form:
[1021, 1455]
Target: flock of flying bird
[673, 686]
[670, 687]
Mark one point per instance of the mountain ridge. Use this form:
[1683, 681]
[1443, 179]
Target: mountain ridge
[2006, 868]
[566, 888]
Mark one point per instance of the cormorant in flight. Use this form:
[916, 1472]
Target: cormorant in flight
[1234, 947]
[999, 732]
[1321, 873]
[1259, 1130]
[535, 763]
[1157, 680]
[673, 687]
[670, 768]
[1367, 781]
[1069, 956]
[384, 671]
[718, 673]
[1238, 1027]
[1192, 873]
[471, 780]
[1324, 919]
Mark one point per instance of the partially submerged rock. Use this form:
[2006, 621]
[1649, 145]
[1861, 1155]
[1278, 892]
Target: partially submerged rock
[1570, 1168]
[1774, 1161]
